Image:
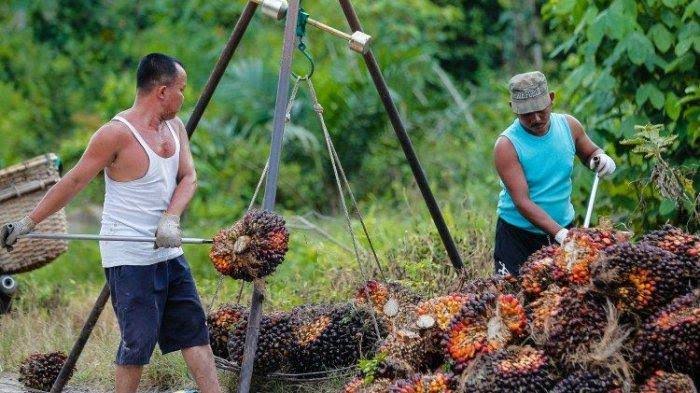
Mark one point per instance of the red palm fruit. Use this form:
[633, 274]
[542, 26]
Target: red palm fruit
[665, 382]
[409, 351]
[506, 284]
[443, 309]
[40, 370]
[427, 383]
[541, 309]
[670, 339]
[684, 245]
[485, 324]
[516, 369]
[582, 247]
[252, 248]
[639, 278]
[395, 305]
[221, 323]
[590, 382]
[274, 343]
[539, 271]
[373, 292]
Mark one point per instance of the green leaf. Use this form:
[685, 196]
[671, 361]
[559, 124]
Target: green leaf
[639, 48]
[642, 95]
[683, 46]
[672, 3]
[667, 207]
[656, 97]
[672, 107]
[661, 36]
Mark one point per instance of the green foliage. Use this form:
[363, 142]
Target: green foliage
[633, 63]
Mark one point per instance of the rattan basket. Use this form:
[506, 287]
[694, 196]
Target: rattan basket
[21, 187]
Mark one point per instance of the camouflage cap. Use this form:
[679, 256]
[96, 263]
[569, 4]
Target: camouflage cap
[528, 92]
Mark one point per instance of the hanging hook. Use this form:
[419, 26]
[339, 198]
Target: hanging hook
[301, 33]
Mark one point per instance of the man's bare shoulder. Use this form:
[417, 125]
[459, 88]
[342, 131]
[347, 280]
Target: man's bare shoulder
[503, 146]
[575, 125]
[113, 132]
[179, 125]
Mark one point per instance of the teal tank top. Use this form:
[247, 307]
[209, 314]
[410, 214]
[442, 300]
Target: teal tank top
[547, 161]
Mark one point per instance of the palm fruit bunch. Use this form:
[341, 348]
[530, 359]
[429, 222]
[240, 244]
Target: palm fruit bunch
[590, 382]
[670, 339]
[394, 304]
[485, 324]
[426, 383]
[274, 342]
[252, 248]
[40, 370]
[220, 324]
[639, 277]
[539, 271]
[327, 337]
[576, 321]
[666, 382]
[582, 247]
[515, 369]
[359, 385]
[406, 351]
[684, 245]
[494, 284]
[441, 310]
[540, 310]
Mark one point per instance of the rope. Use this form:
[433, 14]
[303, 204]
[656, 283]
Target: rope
[329, 144]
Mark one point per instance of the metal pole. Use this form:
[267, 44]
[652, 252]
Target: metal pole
[108, 238]
[68, 366]
[252, 330]
[220, 67]
[418, 173]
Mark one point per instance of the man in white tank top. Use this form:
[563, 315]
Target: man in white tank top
[149, 180]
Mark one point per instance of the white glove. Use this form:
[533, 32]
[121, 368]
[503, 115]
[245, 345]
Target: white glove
[602, 164]
[11, 231]
[168, 233]
[561, 235]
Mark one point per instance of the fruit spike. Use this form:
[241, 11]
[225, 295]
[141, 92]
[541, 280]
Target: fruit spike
[428, 383]
[252, 248]
[409, 351]
[274, 343]
[640, 277]
[539, 271]
[40, 370]
[684, 245]
[582, 247]
[665, 382]
[221, 323]
[670, 339]
[485, 324]
[516, 369]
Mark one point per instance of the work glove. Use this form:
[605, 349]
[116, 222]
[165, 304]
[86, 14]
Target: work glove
[168, 233]
[602, 164]
[13, 230]
[561, 235]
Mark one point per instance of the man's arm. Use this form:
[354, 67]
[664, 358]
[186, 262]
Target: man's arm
[586, 150]
[186, 174]
[100, 152]
[511, 172]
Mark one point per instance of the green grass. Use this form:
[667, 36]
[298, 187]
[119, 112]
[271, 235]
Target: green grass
[53, 301]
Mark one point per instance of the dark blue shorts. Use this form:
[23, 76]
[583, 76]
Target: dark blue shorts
[156, 304]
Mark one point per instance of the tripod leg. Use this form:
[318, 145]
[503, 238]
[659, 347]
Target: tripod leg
[400, 130]
[89, 325]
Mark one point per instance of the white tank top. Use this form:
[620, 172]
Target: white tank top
[133, 208]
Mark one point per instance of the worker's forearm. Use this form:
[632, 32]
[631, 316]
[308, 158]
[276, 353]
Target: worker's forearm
[538, 217]
[56, 198]
[182, 195]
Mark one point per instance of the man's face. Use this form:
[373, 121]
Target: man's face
[537, 122]
[174, 94]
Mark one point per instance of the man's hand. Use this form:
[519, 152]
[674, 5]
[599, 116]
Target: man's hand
[602, 164]
[168, 233]
[11, 231]
[561, 235]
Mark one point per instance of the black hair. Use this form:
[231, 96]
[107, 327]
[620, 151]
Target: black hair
[156, 69]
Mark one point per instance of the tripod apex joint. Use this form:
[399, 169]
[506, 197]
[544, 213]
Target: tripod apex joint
[277, 9]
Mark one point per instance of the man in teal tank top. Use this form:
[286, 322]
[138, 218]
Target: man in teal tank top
[534, 158]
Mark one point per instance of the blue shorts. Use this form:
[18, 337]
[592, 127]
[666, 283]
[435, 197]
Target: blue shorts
[156, 304]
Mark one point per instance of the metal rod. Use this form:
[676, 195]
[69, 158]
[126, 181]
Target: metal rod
[399, 129]
[252, 330]
[220, 67]
[89, 325]
[591, 200]
[109, 238]
[322, 26]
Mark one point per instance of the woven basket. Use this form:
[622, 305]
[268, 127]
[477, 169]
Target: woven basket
[21, 187]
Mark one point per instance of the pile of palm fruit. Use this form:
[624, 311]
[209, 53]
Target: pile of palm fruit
[601, 313]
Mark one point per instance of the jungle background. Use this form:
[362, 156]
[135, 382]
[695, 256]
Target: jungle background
[67, 66]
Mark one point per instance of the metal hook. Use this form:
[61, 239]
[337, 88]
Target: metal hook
[301, 33]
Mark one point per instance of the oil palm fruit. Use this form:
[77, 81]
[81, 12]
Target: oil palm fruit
[582, 247]
[40, 370]
[515, 369]
[359, 385]
[408, 352]
[221, 323]
[441, 310]
[426, 383]
[684, 245]
[485, 324]
[327, 337]
[252, 248]
[539, 271]
[639, 277]
[588, 381]
[666, 382]
[274, 343]
[394, 304]
[670, 339]
[506, 284]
